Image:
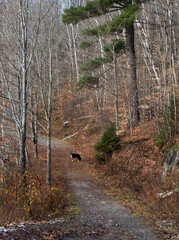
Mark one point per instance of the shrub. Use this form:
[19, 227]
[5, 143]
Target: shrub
[36, 200]
[107, 145]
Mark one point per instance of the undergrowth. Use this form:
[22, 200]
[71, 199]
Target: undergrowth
[34, 200]
[168, 122]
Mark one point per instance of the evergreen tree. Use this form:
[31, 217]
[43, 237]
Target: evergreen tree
[128, 11]
[107, 145]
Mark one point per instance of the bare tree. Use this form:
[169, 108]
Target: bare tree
[45, 70]
[23, 26]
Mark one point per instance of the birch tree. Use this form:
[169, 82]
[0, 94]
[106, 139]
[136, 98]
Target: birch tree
[45, 70]
[157, 44]
[34, 100]
[23, 24]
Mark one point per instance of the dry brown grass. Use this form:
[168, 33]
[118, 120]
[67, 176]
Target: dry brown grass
[36, 200]
[133, 176]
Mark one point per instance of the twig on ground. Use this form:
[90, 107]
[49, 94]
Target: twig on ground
[74, 134]
[164, 195]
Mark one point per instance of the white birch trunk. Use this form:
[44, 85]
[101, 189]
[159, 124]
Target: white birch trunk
[71, 57]
[24, 21]
[74, 39]
[49, 113]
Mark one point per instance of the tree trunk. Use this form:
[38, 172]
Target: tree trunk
[71, 58]
[24, 19]
[48, 177]
[116, 91]
[74, 39]
[132, 80]
[49, 112]
[34, 123]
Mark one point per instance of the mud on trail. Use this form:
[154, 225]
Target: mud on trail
[99, 217]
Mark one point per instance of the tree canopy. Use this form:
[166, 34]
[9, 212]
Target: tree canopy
[100, 7]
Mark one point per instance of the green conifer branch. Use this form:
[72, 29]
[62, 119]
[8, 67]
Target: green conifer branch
[116, 46]
[92, 9]
[92, 64]
[125, 19]
[85, 44]
[88, 81]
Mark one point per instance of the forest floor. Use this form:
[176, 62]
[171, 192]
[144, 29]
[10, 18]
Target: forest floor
[96, 215]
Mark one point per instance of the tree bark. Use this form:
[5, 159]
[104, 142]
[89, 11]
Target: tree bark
[49, 110]
[24, 22]
[132, 80]
[34, 122]
[116, 90]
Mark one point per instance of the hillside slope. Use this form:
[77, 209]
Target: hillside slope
[133, 175]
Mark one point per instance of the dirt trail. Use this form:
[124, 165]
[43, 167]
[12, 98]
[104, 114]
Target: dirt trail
[99, 217]
[103, 217]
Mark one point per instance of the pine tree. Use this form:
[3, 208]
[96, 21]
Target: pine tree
[107, 145]
[125, 20]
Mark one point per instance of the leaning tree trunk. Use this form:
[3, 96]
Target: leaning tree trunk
[132, 79]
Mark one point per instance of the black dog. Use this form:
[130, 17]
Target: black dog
[75, 155]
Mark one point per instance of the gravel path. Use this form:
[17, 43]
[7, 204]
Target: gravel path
[104, 218]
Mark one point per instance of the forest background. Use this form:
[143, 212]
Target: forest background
[63, 76]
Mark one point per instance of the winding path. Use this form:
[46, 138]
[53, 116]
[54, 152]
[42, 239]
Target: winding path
[103, 217]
